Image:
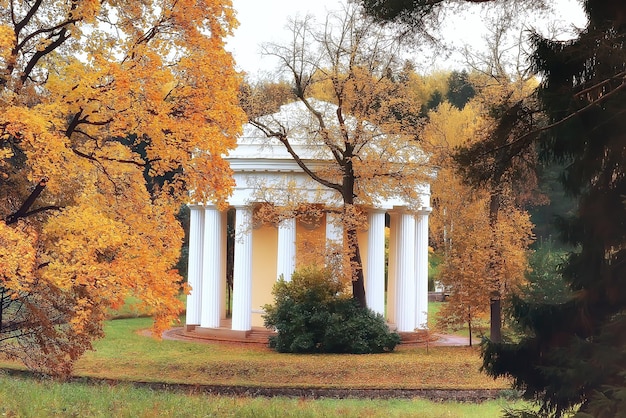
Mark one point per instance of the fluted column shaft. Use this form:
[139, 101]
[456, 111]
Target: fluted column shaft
[242, 271]
[421, 267]
[213, 263]
[286, 262]
[334, 229]
[194, 266]
[375, 280]
[405, 273]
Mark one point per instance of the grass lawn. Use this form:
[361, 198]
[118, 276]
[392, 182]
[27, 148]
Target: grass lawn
[126, 355]
[20, 397]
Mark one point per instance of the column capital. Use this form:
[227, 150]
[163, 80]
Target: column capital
[289, 223]
[399, 210]
[241, 206]
[424, 210]
[378, 210]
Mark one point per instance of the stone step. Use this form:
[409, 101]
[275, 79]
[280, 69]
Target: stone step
[259, 335]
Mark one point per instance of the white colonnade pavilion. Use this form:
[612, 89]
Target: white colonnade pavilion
[263, 252]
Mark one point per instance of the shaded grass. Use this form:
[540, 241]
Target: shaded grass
[25, 397]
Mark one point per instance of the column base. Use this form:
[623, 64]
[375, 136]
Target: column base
[222, 333]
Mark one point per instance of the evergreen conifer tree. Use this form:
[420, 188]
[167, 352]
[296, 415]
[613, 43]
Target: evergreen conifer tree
[572, 354]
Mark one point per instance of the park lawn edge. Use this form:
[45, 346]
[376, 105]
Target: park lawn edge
[126, 355]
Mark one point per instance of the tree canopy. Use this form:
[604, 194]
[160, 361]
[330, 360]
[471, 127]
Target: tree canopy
[342, 72]
[109, 113]
[480, 255]
[571, 355]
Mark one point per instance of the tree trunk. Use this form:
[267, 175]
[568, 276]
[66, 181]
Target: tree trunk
[469, 326]
[494, 305]
[496, 317]
[356, 264]
[358, 280]
[1, 308]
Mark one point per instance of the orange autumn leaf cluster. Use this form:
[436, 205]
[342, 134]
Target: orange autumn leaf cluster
[480, 255]
[110, 113]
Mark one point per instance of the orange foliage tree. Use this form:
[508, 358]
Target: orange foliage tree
[481, 255]
[109, 113]
[356, 113]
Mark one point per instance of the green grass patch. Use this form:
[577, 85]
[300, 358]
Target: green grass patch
[127, 354]
[433, 310]
[29, 397]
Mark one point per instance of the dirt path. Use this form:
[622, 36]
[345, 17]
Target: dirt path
[453, 340]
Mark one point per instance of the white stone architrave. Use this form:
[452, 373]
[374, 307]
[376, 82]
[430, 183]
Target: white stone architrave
[262, 254]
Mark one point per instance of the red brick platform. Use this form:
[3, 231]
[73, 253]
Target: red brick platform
[260, 335]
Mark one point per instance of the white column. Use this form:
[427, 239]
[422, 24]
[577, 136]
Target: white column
[213, 261]
[286, 258]
[405, 273]
[194, 267]
[421, 268]
[334, 228]
[375, 280]
[392, 285]
[242, 273]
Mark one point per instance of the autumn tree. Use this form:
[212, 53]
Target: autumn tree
[583, 94]
[341, 72]
[478, 249]
[264, 97]
[479, 256]
[498, 163]
[460, 89]
[110, 113]
[572, 357]
[485, 156]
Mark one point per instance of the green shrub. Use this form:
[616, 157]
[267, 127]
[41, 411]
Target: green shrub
[312, 315]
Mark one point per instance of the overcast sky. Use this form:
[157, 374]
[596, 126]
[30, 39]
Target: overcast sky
[263, 21]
